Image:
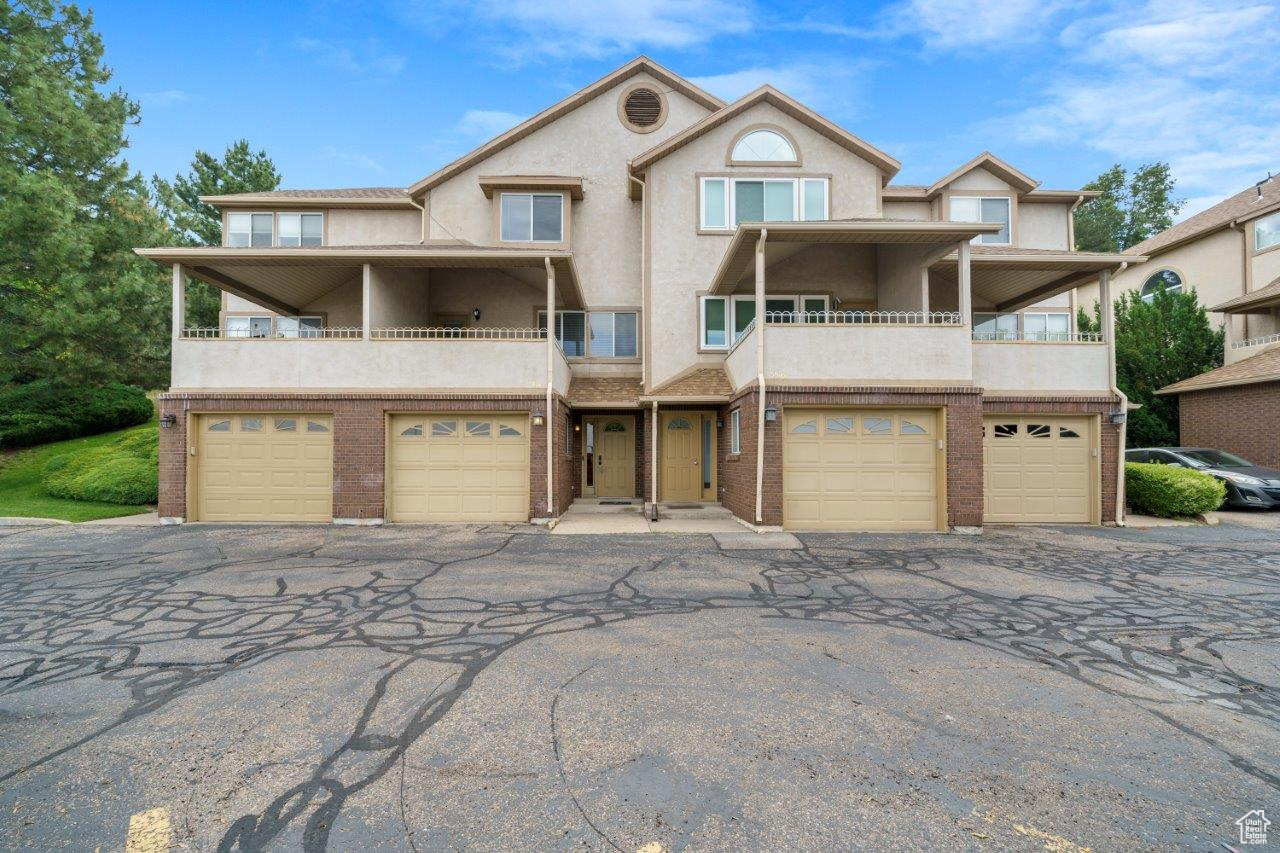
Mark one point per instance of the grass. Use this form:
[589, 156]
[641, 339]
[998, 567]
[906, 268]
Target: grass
[22, 495]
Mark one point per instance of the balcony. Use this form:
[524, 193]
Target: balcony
[499, 359]
[1240, 350]
[1043, 362]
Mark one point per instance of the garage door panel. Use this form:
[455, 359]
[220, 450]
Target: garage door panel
[1038, 468]
[803, 453]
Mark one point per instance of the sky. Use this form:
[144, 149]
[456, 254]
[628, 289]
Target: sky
[377, 93]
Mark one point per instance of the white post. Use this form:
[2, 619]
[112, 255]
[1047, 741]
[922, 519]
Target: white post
[366, 301]
[963, 283]
[1108, 311]
[653, 461]
[924, 289]
[179, 301]
[551, 354]
[760, 324]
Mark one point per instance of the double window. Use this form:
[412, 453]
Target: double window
[599, 334]
[263, 230]
[983, 209]
[1266, 232]
[1027, 326]
[532, 218]
[274, 327]
[725, 319]
[728, 202]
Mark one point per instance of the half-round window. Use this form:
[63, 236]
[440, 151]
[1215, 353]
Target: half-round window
[764, 146]
[1168, 279]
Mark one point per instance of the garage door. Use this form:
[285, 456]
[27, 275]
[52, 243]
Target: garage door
[264, 467]
[464, 467]
[1038, 468]
[860, 469]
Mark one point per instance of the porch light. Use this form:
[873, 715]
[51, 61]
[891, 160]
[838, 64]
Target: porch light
[169, 421]
[475, 313]
[576, 428]
[770, 412]
[1117, 417]
[536, 414]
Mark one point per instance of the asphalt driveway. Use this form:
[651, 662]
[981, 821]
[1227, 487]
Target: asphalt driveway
[416, 688]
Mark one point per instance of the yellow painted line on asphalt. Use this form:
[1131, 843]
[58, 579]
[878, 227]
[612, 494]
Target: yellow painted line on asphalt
[149, 832]
[652, 847]
[1052, 843]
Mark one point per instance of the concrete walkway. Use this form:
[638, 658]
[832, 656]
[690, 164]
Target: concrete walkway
[593, 517]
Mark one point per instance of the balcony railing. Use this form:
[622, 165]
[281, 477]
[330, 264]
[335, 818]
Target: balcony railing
[1039, 337]
[1256, 342]
[304, 334]
[862, 318]
[440, 333]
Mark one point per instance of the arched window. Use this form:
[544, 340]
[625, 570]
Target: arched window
[1168, 279]
[764, 146]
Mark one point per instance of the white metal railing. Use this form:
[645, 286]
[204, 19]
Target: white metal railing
[856, 318]
[1038, 337]
[440, 333]
[304, 334]
[1256, 342]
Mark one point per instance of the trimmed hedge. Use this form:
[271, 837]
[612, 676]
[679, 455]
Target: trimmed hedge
[123, 472]
[40, 412]
[1168, 491]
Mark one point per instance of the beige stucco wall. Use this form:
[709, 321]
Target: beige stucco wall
[921, 210]
[740, 363]
[590, 143]
[505, 301]
[344, 305]
[899, 270]
[879, 354]
[847, 273]
[1044, 226]
[398, 297]
[684, 261]
[1040, 366]
[373, 227]
[978, 179]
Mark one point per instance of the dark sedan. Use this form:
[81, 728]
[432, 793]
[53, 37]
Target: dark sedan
[1248, 485]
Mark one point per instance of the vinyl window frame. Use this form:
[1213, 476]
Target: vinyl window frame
[732, 333]
[275, 215]
[735, 432]
[558, 196]
[730, 184]
[985, 239]
[1273, 217]
[541, 320]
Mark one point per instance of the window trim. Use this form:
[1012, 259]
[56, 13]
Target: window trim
[1275, 214]
[980, 196]
[731, 206]
[735, 432]
[275, 227]
[564, 225]
[731, 300]
[1182, 283]
[750, 129]
[540, 313]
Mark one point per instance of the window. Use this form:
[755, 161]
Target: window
[413, 431]
[976, 209]
[444, 428]
[613, 334]
[532, 218]
[720, 313]
[1167, 279]
[728, 202]
[995, 327]
[248, 327]
[809, 427]
[1046, 327]
[263, 230]
[315, 426]
[479, 429]
[715, 329]
[1266, 232]
[571, 329]
[911, 428]
[299, 327]
[251, 424]
[507, 431]
[286, 425]
[877, 426]
[220, 426]
[735, 431]
[839, 425]
[764, 146]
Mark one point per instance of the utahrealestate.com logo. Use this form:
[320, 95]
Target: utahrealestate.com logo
[1253, 827]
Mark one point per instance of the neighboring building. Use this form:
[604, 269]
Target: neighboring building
[811, 345]
[1230, 254]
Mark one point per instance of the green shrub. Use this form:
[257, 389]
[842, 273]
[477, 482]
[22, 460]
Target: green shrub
[123, 472]
[40, 412]
[1169, 491]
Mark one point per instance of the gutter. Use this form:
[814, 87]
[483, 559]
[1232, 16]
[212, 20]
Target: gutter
[550, 422]
[1124, 405]
[760, 420]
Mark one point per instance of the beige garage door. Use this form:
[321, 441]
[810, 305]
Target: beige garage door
[464, 467]
[1038, 468]
[264, 467]
[860, 469]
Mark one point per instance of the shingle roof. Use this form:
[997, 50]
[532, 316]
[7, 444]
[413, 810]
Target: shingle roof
[1250, 299]
[597, 390]
[1243, 204]
[703, 382]
[1263, 367]
[346, 192]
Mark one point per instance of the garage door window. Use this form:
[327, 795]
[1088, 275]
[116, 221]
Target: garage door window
[839, 425]
[286, 425]
[220, 426]
[505, 431]
[1006, 430]
[1039, 431]
[313, 426]
[444, 428]
[251, 424]
[877, 426]
[679, 423]
[479, 429]
[911, 428]
[412, 431]
[806, 428]
[1067, 432]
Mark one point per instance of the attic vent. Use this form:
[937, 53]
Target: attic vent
[642, 109]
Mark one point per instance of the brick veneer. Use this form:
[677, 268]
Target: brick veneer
[1240, 419]
[359, 437]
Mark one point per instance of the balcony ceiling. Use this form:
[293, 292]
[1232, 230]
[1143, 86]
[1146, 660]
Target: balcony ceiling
[282, 279]
[1010, 278]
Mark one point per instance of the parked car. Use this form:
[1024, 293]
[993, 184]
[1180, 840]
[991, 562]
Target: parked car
[1248, 485]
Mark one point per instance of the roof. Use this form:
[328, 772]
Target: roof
[1244, 205]
[1012, 277]
[993, 164]
[1261, 300]
[604, 391]
[702, 383]
[788, 105]
[641, 64]
[573, 184]
[1263, 367]
[347, 197]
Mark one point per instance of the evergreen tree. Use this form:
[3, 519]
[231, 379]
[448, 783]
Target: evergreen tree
[1130, 209]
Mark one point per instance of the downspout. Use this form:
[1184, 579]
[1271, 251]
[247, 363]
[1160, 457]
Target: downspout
[1115, 389]
[422, 208]
[653, 464]
[551, 342]
[644, 285]
[760, 420]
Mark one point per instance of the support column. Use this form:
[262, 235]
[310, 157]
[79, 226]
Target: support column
[551, 355]
[179, 301]
[760, 328]
[366, 301]
[1108, 318]
[964, 279]
[654, 437]
[924, 289]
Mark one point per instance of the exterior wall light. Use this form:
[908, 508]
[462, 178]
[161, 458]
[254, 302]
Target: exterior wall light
[475, 313]
[770, 412]
[577, 428]
[169, 421]
[536, 414]
[1118, 417]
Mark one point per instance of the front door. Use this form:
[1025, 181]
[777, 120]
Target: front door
[681, 456]
[612, 456]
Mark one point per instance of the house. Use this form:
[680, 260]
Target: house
[645, 293]
[1230, 254]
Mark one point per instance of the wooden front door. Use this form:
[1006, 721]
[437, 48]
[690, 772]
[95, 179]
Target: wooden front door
[681, 456]
[614, 457]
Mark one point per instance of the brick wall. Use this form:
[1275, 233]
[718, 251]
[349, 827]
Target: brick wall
[1241, 419]
[359, 436]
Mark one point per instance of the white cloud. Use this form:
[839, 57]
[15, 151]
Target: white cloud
[352, 159]
[832, 84]
[953, 24]
[368, 58]
[1187, 38]
[483, 125]
[587, 28]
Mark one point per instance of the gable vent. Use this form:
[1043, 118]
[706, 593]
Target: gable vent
[642, 108]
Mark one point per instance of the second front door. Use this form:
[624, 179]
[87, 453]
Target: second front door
[681, 456]
[614, 457]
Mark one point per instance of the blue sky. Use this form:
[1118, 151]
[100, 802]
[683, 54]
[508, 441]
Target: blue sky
[382, 93]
